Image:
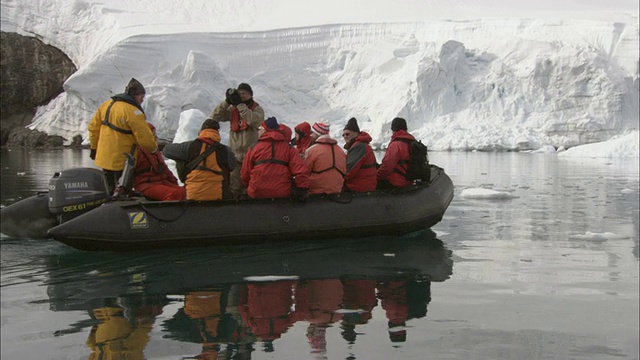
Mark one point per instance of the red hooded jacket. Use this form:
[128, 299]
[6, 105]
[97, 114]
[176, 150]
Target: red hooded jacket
[154, 179]
[396, 152]
[270, 165]
[304, 140]
[361, 164]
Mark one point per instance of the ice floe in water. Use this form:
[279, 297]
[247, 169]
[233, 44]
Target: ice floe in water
[481, 193]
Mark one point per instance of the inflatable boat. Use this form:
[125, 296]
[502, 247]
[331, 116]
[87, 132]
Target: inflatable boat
[76, 213]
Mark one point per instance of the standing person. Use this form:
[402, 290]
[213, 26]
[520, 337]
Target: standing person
[271, 165]
[361, 161]
[245, 116]
[119, 126]
[206, 163]
[302, 141]
[326, 162]
[395, 161]
[153, 178]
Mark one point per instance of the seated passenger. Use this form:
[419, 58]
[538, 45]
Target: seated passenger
[361, 161]
[270, 166]
[302, 141]
[395, 161]
[206, 163]
[153, 178]
[326, 162]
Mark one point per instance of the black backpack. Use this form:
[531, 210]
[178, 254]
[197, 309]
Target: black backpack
[418, 165]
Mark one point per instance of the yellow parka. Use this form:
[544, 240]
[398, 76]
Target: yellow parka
[116, 338]
[127, 125]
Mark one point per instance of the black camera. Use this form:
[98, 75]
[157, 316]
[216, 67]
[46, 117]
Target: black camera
[232, 96]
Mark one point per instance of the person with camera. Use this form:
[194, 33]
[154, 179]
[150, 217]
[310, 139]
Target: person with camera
[245, 116]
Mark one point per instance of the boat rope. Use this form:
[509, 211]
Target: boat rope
[184, 210]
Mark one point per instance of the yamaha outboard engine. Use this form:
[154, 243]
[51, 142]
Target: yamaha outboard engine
[75, 191]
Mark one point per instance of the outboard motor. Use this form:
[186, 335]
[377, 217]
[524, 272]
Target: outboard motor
[75, 191]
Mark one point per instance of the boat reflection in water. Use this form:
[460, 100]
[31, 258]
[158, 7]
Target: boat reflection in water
[236, 300]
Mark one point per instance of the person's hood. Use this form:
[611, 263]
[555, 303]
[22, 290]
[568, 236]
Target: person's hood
[401, 134]
[209, 134]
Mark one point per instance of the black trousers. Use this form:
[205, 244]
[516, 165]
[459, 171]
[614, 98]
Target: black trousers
[112, 179]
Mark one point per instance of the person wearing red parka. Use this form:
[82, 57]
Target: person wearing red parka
[271, 165]
[395, 161]
[361, 161]
[153, 179]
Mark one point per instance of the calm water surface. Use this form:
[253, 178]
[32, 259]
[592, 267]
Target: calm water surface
[551, 273]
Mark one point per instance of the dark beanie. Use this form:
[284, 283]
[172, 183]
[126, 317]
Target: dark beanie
[398, 124]
[210, 124]
[134, 87]
[245, 87]
[270, 123]
[352, 125]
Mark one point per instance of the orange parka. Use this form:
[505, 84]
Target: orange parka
[327, 165]
[206, 181]
[115, 134]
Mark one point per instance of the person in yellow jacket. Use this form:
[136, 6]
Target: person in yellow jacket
[117, 127]
[245, 116]
[203, 164]
[116, 337]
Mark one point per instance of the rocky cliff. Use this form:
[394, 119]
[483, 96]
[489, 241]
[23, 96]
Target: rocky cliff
[32, 73]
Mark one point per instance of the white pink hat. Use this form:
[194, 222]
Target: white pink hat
[320, 128]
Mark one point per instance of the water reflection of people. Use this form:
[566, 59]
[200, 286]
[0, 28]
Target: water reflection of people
[122, 332]
[359, 300]
[319, 300]
[267, 309]
[215, 312]
[403, 300]
[206, 308]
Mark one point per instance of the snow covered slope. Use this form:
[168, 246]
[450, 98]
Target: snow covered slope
[465, 74]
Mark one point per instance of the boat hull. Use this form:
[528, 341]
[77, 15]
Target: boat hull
[139, 225]
[28, 218]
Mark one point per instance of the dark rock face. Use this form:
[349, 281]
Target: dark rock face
[31, 74]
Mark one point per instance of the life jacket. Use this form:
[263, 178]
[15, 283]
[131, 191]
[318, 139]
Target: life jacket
[112, 126]
[333, 161]
[208, 147]
[207, 179]
[272, 159]
[155, 166]
[416, 167]
[237, 124]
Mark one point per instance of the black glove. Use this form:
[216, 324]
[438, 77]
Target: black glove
[232, 97]
[92, 154]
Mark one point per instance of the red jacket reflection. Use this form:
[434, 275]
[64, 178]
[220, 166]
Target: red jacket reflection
[267, 308]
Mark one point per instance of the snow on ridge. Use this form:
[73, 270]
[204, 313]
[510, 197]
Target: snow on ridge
[471, 74]
[501, 86]
[85, 28]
